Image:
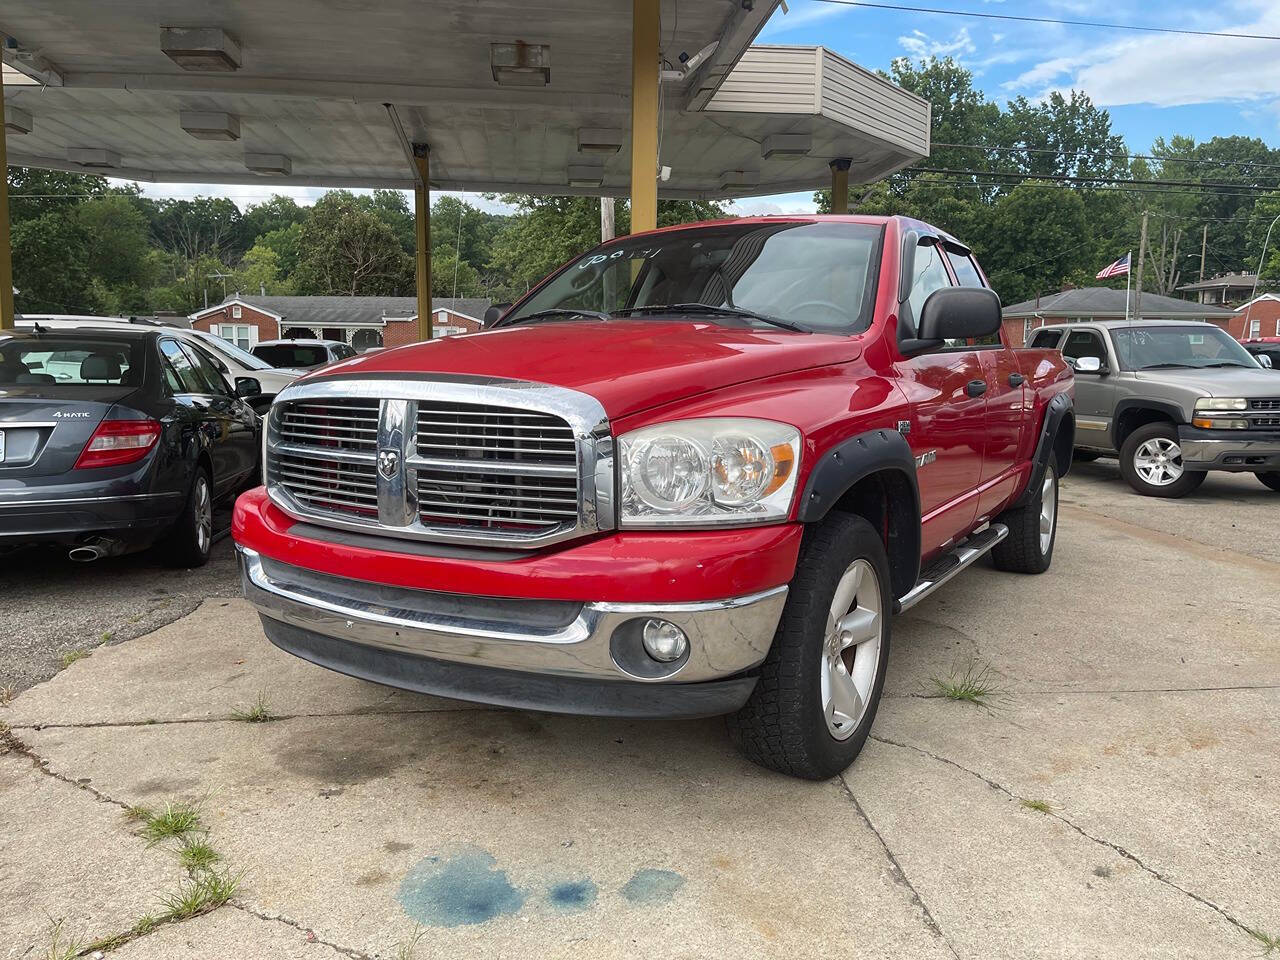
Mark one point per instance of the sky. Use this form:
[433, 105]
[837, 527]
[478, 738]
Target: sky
[1153, 84]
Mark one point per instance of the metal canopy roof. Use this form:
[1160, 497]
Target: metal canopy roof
[315, 81]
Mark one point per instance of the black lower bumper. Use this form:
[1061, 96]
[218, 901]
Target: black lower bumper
[135, 521]
[512, 688]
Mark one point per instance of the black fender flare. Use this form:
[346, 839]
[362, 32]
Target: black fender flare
[1058, 412]
[841, 467]
[1168, 407]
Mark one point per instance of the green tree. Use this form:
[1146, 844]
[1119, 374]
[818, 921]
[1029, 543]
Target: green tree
[346, 249]
[191, 229]
[1033, 241]
[50, 271]
[277, 213]
[452, 277]
[259, 272]
[286, 243]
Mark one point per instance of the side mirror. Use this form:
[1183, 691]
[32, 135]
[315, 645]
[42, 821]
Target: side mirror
[955, 313]
[494, 313]
[248, 387]
[1264, 360]
[1088, 365]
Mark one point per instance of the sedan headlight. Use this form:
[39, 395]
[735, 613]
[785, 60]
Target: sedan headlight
[713, 472]
[1222, 403]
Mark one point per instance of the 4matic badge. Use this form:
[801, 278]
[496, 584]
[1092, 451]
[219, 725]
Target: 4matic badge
[70, 414]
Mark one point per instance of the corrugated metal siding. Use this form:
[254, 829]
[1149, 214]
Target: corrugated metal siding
[770, 79]
[860, 99]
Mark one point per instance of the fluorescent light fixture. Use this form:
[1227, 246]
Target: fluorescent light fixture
[210, 126]
[786, 145]
[520, 64]
[201, 49]
[269, 164]
[585, 175]
[13, 77]
[16, 120]
[26, 68]
[93, 157]
[736, 179]
[600, 140]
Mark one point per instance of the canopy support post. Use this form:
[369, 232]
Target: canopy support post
[840, 185]
[422, 237]
[644, 114]
[6, 246]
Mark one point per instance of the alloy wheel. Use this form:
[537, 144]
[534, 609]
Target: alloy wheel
[204, 514]
[1048, 511]
[851, 649]
[1158, 461]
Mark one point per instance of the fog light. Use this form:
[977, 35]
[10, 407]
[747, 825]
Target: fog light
[664, 641]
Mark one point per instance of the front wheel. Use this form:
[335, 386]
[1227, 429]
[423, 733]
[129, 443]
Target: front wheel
[820, 685]
[1151, 462]
[1270, 478]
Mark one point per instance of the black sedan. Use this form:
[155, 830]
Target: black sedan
[114, 440]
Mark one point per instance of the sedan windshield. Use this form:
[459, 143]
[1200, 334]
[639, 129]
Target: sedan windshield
[229, 349]
[796, 276]
[1153, 348]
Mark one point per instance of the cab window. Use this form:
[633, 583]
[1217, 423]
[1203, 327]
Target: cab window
[965, 269]
[1045, 339]
[1084, 343]
[929, 274]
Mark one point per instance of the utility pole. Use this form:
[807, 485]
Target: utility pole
[1204, 245]
[607, 229]
[1137, 281]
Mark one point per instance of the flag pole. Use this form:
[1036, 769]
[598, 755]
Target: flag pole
[1127, 274]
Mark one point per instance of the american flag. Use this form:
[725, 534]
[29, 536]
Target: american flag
[1119, 268]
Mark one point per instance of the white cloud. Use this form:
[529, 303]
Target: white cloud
[801, 14]
[921, 45]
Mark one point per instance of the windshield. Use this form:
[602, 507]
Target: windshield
[1148, 348]
[229, 349]
[292, 355]
[820, 276]
[74, 361]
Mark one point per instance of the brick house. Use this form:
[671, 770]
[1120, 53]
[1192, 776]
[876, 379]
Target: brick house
[1226, 290]
[1083, 304]
[363, 322]
[1259, 317]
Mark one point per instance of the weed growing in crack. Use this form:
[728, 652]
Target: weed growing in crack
[973, 684]
[175, 820]
[1039, 806]
[1268, 941]
[203, 892]
[71, 656]
[258, 713]
[7, 693]
[197, 854]
[137, 814]
[407, 949]
[62, 946]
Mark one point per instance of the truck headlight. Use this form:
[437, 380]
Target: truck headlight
[717, 471]
[1222, 403]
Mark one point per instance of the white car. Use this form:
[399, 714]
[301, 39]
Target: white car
[302, 353]
[235, 363]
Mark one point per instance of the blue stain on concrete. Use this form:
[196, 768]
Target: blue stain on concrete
[652, 886]
[576, 895]
[461, 890]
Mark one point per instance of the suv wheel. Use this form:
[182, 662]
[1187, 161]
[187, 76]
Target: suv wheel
[191, 539]
[1270, 478]
[1151, 461]
[1033, 530]
[820, 685]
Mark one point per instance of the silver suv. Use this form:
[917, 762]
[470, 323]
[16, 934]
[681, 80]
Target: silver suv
[1173, 399]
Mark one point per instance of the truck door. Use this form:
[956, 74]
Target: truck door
[946, 391]
[1095, 397]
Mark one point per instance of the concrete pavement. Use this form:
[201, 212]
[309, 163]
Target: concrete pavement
[1116, 798]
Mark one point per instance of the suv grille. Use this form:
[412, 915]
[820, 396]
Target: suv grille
[432, 468]
[1270, 404]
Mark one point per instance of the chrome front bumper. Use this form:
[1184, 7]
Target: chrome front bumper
[1229, 453]
[555, 638]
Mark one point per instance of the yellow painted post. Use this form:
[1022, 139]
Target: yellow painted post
[840, 186]
[6, 248]
[422, 236]
[644, 114]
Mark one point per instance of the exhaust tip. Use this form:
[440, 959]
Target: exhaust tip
[84, 554]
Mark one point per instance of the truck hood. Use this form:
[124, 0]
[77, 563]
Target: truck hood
[628, 365]
[1218, 381]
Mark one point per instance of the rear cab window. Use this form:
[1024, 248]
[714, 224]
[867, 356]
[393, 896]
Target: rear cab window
[72, 361]
[1045, 339]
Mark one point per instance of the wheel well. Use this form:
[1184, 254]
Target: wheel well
[887, 500]
[1064, 444]
[203, 460]
[1135, 417]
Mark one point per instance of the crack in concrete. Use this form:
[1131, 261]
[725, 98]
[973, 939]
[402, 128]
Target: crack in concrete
[1115, 847]
[1014, 694]
[96, 724]
[10, 742]
[310, 933]
[900, 875]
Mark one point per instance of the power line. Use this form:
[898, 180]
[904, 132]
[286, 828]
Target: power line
[1107, 156]
[1051, 20]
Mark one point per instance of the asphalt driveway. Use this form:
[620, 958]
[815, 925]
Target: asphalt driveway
[1115, 795]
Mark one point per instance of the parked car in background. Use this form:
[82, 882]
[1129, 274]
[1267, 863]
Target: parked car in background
[1173, 399]
[302, 354]
[234, 362]
[112, 439]
[1266, 350]
[694, 472]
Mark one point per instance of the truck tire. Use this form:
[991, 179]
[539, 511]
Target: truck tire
[1085, 456]
[191, 538]
[1151, 462]
[1270, 478]
[820, 685]
[1033, 530]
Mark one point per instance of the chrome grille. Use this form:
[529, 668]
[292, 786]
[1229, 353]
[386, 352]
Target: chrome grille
[1269, 403]
[431, 460]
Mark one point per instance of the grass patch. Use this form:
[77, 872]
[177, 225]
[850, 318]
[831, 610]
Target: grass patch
[259, 712]
[7, 693]
[407, 949]
[137, 814]
[197, 855]
[62, 946]
[1039, 806]
[107, 635]
[1268, 941]
[175, 820]
[973, 684]
[72, 656]
[204, 892]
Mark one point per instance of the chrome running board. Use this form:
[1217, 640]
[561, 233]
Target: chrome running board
[952, 562]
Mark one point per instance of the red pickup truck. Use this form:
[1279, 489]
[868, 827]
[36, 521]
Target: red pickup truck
[693, 472]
